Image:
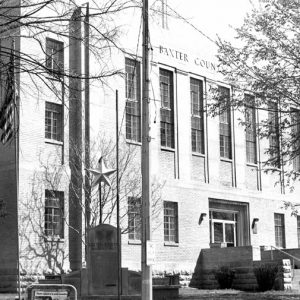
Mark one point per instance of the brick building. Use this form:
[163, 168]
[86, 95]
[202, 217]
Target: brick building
[213, 188]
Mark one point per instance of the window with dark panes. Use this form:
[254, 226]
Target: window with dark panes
[250, 118]
[54, 56]
[225, 123]
[279, 230]
[54, 213]
[134, 218]
[167, 109]
[296, 137]
[274, 135]
[171, 221]
[53, 121]
[197, 120]
[133, 100]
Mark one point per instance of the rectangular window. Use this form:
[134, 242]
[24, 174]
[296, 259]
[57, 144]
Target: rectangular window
[197, 120]
[167, 109]
[296, 139]
[279, 230]
[225, 123]
[298, 230]
[54, 213]
[170, 222]
[54, 56]
[274, 137]
[53, 121]
[133, 100]
[250, 118]
[134, 218]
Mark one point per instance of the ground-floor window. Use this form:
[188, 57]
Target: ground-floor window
[54, 213]
[170, 221]
[134, 218]
[223, 227]
[279, 230]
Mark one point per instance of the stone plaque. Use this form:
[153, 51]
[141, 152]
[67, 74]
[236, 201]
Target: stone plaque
[102, 265]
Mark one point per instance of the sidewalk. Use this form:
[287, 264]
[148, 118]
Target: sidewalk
[190, 293]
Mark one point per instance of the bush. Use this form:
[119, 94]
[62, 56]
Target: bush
[225, 276]
[265, 276]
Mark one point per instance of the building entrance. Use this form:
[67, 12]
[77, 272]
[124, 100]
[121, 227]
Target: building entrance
[223, 227]
[229, 223]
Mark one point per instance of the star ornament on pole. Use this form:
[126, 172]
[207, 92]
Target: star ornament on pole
[101, 173]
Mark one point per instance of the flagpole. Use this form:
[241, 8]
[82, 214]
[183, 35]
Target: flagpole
[87, 121]
[118, 200]
[16, 137]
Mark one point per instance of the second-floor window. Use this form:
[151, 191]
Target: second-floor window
[296, 138]
[274, 135]
[197, 120]
[54, 56]
[53, 121]
[167, 109]
[225, 123]
[250, 118]
[133, 100]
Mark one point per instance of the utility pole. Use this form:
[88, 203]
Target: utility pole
[146, 183]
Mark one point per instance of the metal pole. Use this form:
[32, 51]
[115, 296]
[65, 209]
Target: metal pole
[87, 187]
[100, 204]
[146, 183]
[118, 200]
[16, 137]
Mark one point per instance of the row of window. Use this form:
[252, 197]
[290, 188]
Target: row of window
[167, 134]
[54, 225]
[53, 115]
[170, 220]
[54, 214]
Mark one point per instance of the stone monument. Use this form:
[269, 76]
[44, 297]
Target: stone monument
[102, 260]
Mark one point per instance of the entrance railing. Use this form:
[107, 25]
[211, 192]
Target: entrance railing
[286, 253]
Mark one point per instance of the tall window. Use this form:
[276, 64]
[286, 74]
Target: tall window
[274, 142]
[196, 87]
[279, 230]
[250, 116]
[170, 221]
[54, 213]
[54, 56]
[225, 123]
[53, 121]
[296, 137]
[133, 100]
[134, 218]
[167, 109]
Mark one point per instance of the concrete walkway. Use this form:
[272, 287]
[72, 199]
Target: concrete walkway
[189, 293]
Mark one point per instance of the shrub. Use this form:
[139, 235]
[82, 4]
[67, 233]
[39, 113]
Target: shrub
[265, 276]
[225, 276]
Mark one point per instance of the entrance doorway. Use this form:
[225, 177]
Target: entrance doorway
[223, 227]
[229, 223]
